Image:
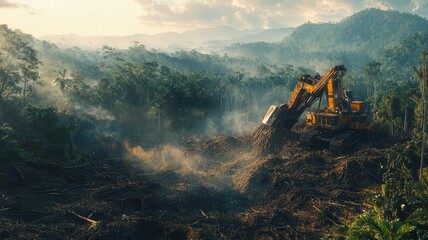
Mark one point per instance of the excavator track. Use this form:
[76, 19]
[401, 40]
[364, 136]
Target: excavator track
[307, 138]
[344, 140]
[338, 143]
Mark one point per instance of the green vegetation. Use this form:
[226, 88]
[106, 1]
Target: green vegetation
[369, 35]
[56, 103]
[400, 210]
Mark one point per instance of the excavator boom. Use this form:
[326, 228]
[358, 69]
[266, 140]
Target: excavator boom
[304, 95]
[340, 125]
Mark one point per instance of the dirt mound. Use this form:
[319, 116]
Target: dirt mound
[311, 190]
[216, 147]
[360, 171]
[292, 194]
[266, 139]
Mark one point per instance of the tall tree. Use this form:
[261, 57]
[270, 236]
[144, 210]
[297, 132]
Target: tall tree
[422, 74]
[18, 60]
[63, 82]
[373, 76]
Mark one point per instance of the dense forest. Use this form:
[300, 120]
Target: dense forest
[70, 105]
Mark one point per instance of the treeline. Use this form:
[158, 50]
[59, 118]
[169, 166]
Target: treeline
[146, 96]
[61, 99]
[139, 92]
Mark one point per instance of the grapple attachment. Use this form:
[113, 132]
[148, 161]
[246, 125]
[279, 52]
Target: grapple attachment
[280, 117]
[271, 115]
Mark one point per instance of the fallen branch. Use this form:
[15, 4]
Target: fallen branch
[94, 224]
[5, 209]
[19, 174]
[336, 204]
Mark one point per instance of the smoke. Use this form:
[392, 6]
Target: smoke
[244, 120]
[50, 94]
[231, 123]
[213, 163]
[218, 161]
[98, 113]
[80, 108]
[167, 157]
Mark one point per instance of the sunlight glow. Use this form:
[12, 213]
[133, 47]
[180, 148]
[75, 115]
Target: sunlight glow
[127, 17]
[94, 17]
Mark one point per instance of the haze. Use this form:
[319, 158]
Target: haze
[127, 17]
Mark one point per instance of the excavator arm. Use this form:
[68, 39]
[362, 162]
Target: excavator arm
[304, 95]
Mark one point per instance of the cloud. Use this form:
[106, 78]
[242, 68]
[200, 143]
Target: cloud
[8, 4]
[244, 13]
[419, 7]
[13, 5]
[187, 13]
[250, 14]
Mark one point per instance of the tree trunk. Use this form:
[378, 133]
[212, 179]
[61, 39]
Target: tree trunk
[391, 119]
[406, 119]
[3, 84]
[221, 102]
[375, 95]
[424, 81]
[24, 92]
[118, 127]
[159, 121]
[423, 133]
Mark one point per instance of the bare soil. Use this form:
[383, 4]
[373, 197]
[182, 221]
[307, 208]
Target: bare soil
[229, 194]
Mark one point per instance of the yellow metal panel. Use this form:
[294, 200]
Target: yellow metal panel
[321, 83]
[295, 94]
[357, 105]
[309, 88]
[330, 97]
[310, 119]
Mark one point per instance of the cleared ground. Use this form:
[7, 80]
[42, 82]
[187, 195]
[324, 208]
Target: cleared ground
[196, 189]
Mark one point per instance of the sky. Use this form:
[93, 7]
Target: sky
[127, 17]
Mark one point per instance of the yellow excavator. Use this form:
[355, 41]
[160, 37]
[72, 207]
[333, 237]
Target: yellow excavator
[339, 126]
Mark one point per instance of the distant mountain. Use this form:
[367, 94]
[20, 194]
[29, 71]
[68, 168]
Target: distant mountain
[355, 40]
[203, 40]
[404, 56]
[372, 34]
[372, 29]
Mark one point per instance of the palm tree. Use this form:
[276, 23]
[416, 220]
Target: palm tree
[63, 83]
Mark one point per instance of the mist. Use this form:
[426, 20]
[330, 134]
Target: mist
[167, 157]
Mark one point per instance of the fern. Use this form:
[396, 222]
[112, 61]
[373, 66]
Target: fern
[372, 226]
